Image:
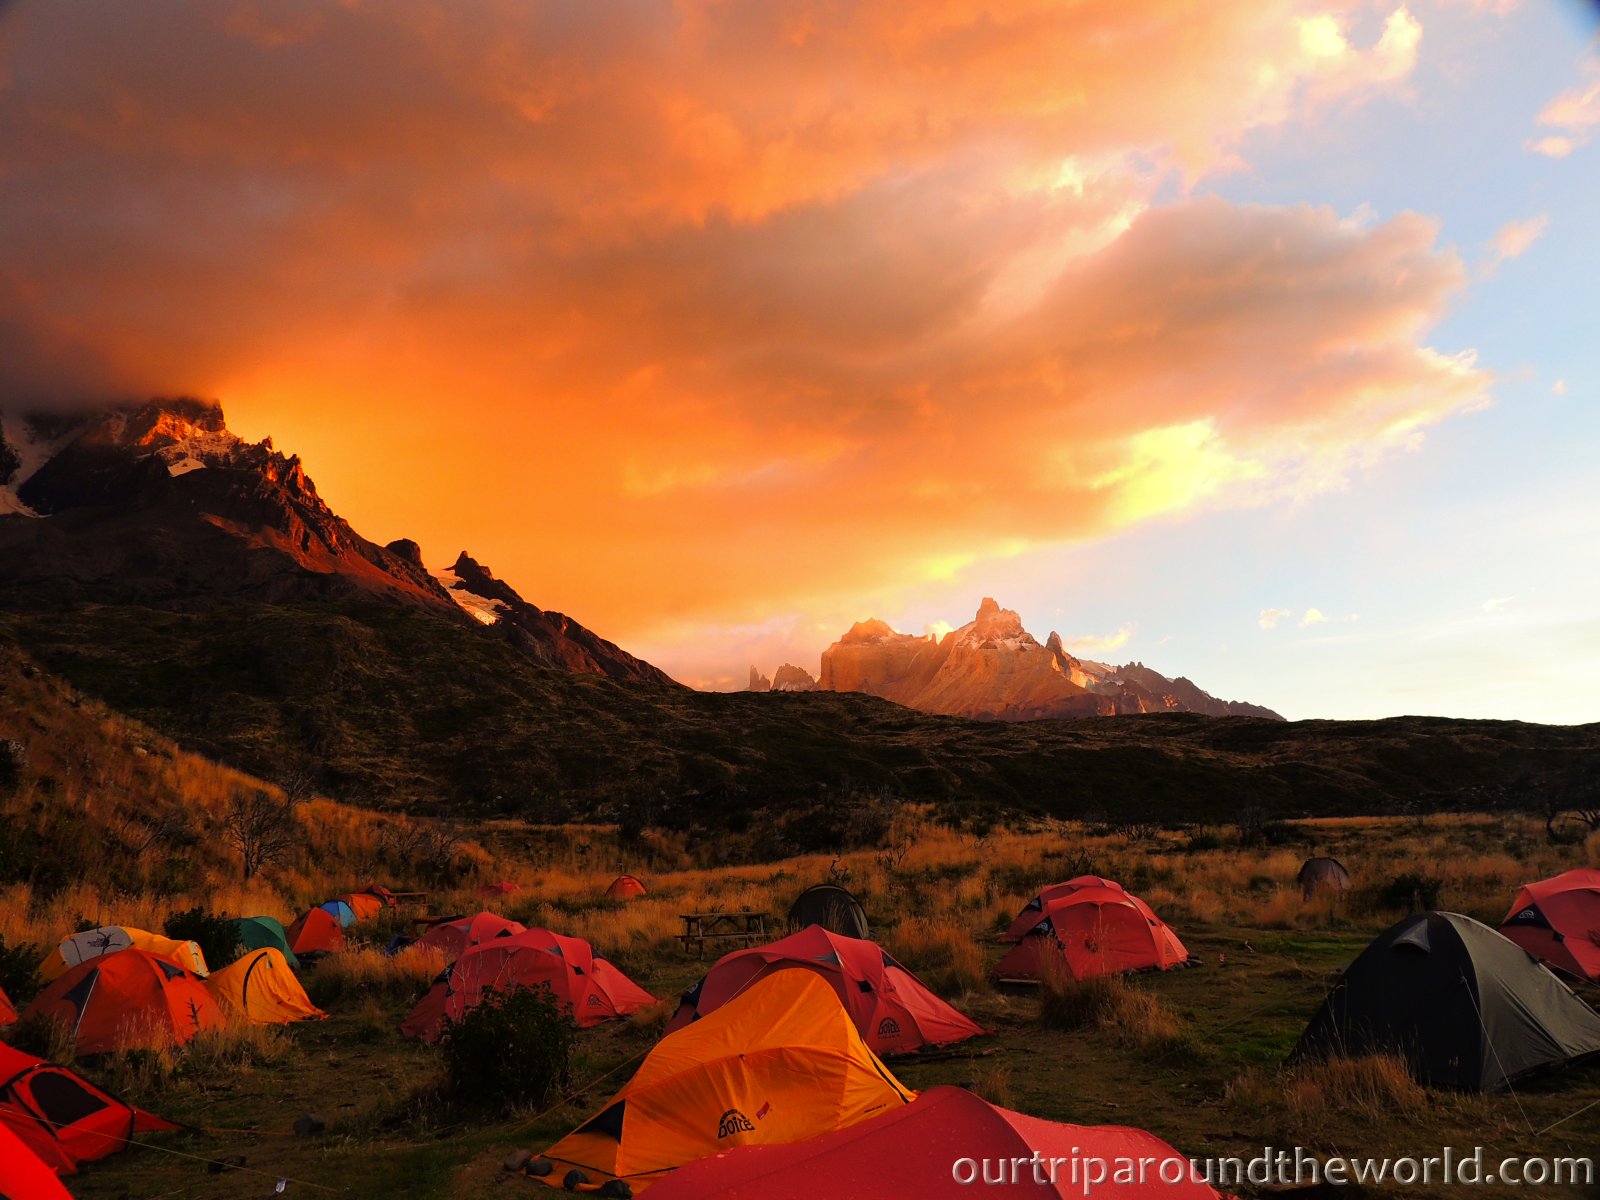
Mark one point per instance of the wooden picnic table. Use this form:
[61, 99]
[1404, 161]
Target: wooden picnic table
[742, 926]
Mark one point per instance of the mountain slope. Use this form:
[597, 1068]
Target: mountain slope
[992, 668]
[160, 505]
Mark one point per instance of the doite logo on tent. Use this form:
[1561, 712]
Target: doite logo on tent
[734, 1121]
[888, 1028]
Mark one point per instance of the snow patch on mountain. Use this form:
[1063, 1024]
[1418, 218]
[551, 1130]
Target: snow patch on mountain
[483, 608]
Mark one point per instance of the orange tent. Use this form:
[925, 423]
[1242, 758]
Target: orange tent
[129, 1000]
[625, 887]
[23, 1176]
[921, 1151]
[1558, 921]
[316, 932]
[592, 988]
[108, 939]
[781, 1062]
[1093, 930]
[1033, 911]
[61, 1116]
[456, 937]
[891, 1008]
[260, 989]
[8, 1012]
[364, 905]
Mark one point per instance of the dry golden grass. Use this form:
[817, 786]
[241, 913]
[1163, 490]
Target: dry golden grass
[1132, 1016]
[1301, 1100]
[366, 971]
[940, 952]
[991, 1081]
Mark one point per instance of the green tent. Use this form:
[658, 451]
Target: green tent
[258, 933]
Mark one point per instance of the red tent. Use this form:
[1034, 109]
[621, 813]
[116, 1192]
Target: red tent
[1033, 912]
[316, 932]
[382, 893]
[1558, 921]
[8, 1013]
[591, 987]
[491, 890]
[62, 1117]
[889, 1005]
[625, 887]
[129, 1000]
[456, 937]
[22, 1175]
[1094, 930]
[940, 1145]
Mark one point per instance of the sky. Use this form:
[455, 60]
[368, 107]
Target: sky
[1254, 340]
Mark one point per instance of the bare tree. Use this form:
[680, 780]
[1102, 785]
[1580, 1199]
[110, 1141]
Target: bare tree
[261, 826]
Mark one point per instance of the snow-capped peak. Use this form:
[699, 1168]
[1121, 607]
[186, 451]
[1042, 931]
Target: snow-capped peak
[483, 608]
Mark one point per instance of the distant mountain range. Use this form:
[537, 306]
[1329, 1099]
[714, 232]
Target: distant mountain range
[197, 583]
[994, 669]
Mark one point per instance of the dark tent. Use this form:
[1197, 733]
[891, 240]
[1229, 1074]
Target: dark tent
[829, 905]
[1464, 1006]
[261, 933]
[1322, 875]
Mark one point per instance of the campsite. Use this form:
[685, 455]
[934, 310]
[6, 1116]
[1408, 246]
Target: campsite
[1198, 1055]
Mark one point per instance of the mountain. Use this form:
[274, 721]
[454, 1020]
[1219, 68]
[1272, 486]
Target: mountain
[194, 583]
[994, 669]
[160, 504]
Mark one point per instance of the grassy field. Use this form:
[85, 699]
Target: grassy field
[1194, 1055]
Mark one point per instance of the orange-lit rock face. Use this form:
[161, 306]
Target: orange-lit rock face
[993, 668]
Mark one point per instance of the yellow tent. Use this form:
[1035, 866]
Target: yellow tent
[108, 939]
[260, 989]
[781, 1062]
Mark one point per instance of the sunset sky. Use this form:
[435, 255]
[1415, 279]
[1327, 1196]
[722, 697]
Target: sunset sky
[1256, 340]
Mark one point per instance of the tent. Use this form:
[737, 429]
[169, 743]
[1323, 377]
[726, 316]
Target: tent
[625, 887]
[108, 939]
[258, 933]
[890, 1007]
[455, 937]
[363, 905]
[22, 1175]
[1033, 911]
[830, 906]
[260, 989]
[8, 1012]
[1093, 930]
[910, 1153]
[316, 932]
[1462, 1005]
[586, 983]
[781, 1062]
[339, 911]
[1558, 920]
[62, 1117]
[1322, 875]
[128, 1000]
[490, 891]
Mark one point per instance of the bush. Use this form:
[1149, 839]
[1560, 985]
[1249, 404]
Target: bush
[1107, 1003]
[19, 970]
[514, 1047]
[1412, 892]
[217, 934]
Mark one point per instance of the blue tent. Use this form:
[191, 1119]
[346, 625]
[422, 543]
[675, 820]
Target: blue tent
[340, 910]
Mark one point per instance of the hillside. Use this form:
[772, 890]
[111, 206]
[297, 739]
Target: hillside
[392, 708]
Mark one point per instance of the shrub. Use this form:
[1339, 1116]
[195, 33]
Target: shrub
[216, 933]
[18, 970]
[1132, 1015]
[1412, 892]
[514, 1047]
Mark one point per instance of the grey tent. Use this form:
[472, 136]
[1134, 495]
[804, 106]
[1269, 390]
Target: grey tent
[1322, 874]
[829, 905]
[1462, 1005]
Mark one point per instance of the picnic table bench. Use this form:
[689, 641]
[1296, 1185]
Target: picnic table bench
[749, 928]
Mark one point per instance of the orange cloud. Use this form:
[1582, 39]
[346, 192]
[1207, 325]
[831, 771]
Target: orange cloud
[1574, 114]
[711, 312]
